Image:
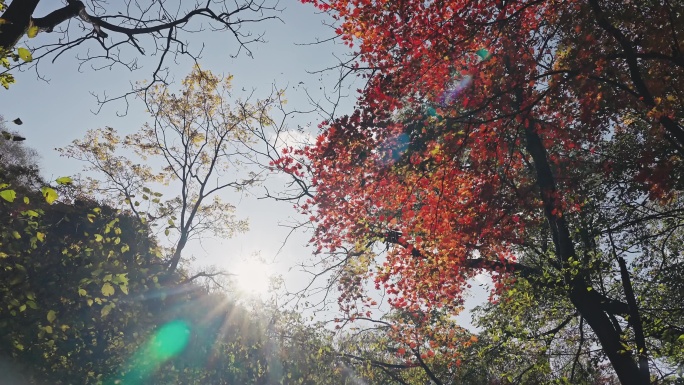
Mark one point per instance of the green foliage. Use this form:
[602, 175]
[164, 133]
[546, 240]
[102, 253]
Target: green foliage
[24, 54]
[84, 298]
[8, 195]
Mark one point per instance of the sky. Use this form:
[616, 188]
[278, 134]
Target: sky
[60, 110]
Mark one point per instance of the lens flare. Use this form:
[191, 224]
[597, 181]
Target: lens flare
[450, 95]
[393, 149]
[483, 54]
[168, 342]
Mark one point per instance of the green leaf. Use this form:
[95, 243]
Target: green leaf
[32, 32]
[48, 329]
[31, 213]
[64, 180]
[106, 309]
[98, 238]
[26, 200]
[24, 54]
[82, 292]
[8, 195]
[51, 316]
[107, 289]
[49, 194]
[122, 278]
[125, 248]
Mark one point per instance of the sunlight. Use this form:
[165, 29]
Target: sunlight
[253, 277]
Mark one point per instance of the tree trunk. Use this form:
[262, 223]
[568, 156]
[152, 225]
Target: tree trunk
[17, 19]
[177, 253]
[589, 306]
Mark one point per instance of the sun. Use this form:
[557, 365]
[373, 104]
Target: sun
[253, 277]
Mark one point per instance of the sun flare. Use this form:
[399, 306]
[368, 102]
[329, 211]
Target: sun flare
[253, 277]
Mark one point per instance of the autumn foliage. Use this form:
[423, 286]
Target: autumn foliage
[491, 131]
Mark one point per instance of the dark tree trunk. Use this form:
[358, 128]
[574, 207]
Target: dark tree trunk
[589, 306]
[175, 259]
[17, 18]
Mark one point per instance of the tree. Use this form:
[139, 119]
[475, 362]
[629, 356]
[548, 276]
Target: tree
[85, 298]
[66, 269]
[17, 162]
[198, 138]
[539, 141]
[149, 28]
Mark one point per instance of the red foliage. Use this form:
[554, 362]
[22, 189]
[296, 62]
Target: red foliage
[436, 151]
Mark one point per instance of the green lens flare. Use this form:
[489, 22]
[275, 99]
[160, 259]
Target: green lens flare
[169, 341]
[483, 54]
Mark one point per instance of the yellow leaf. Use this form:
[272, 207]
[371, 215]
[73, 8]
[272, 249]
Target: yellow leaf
[32, 32]
[40, 236]
[106, 309]
[49, 194]
[82, 292]
[16, 234]
[48, 329]
[24, 54]
[64, 180]
[51, 316]
[107, 289]
[8, 195]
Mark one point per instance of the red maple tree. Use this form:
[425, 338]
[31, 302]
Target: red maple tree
[489, 128]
